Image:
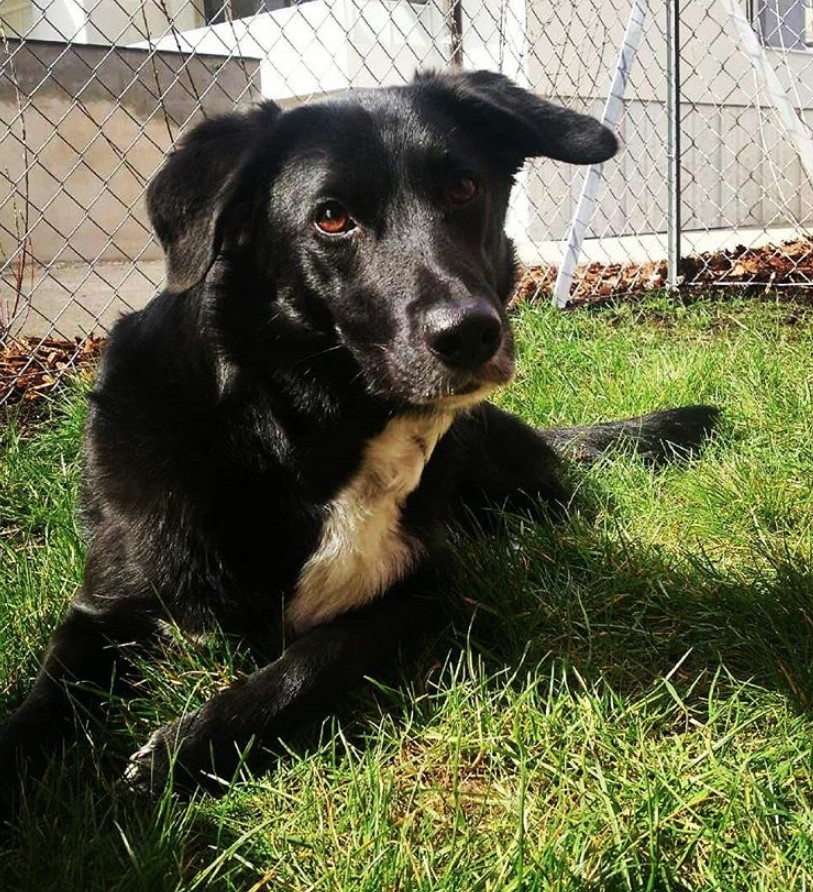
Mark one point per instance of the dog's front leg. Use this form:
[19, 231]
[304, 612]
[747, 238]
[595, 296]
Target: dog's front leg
[304, 684]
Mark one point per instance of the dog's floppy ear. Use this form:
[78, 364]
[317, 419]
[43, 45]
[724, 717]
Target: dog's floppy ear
[515, 123]
[188, 195]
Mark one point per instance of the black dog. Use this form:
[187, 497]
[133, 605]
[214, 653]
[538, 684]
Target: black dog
[300, 415]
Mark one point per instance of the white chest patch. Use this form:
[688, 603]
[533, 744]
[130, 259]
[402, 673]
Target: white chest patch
[362, 549]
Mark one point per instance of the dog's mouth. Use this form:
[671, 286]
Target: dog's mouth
[458, 388]
[406, 372]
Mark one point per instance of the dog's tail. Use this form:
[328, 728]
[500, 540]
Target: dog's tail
[658, 437]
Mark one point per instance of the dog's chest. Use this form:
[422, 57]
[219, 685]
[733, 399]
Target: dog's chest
[362, 549]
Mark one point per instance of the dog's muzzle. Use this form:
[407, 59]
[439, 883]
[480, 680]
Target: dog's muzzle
[473, 352]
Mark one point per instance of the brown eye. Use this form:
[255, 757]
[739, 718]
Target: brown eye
[332, 219]
[461, 189]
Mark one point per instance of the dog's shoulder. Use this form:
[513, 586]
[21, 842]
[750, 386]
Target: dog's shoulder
[152, 426]
[159, 355]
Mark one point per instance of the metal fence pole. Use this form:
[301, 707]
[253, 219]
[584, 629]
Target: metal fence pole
[673, 136]
[456, 32]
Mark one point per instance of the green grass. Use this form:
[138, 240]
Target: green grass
[627, 708]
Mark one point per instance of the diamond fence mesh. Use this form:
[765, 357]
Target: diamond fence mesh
[93, 94]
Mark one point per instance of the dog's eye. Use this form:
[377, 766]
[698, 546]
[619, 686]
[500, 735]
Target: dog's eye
[332, 219]
[461, 189]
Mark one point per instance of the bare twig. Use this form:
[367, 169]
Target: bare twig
[163, 7]
[21, 226]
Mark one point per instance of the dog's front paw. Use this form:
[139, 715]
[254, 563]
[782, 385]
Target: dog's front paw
[148, 769]
[179, 755]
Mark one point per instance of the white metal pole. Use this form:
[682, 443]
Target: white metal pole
[592, 179]
[673, 171]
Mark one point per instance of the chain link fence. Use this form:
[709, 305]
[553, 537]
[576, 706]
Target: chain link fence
[713, 187]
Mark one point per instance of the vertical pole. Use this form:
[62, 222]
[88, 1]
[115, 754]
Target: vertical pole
[456, 32]
[673, 148]
[589, 194]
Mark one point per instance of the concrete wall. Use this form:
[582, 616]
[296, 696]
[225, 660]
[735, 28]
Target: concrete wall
[85, 132]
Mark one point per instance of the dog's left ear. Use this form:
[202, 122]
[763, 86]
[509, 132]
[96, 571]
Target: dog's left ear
[189, 196]
[517, 124]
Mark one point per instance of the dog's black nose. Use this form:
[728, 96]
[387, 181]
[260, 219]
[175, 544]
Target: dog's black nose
[464, 339]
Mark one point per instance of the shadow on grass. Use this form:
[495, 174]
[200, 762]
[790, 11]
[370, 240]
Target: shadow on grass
[615, 611]
[606, 609]
[78, 829]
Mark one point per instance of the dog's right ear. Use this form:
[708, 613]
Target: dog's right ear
[515, 123]
[187, 197]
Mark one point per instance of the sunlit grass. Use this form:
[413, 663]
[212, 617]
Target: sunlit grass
[623, 704]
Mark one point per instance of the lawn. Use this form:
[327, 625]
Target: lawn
[624, 703]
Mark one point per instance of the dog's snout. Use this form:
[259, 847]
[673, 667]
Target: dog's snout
[465, 339]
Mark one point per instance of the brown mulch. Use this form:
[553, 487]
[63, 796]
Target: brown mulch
[31, 367]
[750, 270]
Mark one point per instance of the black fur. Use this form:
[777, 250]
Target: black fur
[231, 411]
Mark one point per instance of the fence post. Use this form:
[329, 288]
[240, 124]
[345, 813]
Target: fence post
[673, 224]
[613, 108]
[455, 18]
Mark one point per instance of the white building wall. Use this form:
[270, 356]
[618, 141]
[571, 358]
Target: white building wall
[739, 168]
[99, 21]
[324, 46]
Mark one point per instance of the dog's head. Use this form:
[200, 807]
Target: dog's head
[369, 225]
